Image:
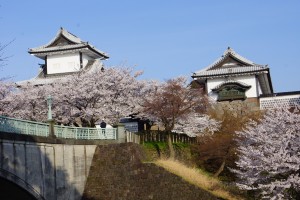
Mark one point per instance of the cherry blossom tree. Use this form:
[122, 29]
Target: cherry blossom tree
[269, 159]
[29, 103]
[82, 99]
[177, 107]
[5, 89]
[90, 97]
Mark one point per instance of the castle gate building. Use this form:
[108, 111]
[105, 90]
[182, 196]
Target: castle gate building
[234, 81]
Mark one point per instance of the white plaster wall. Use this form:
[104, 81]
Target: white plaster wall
[85, 59]
[62, 63]
[249, 80]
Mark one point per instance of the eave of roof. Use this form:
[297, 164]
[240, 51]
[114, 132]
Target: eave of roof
[57, 48]
[231, 71]
[68, 48]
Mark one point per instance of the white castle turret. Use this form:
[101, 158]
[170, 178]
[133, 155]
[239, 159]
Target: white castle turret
[64, 55]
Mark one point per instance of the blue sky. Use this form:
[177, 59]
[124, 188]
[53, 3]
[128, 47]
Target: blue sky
[165, 39]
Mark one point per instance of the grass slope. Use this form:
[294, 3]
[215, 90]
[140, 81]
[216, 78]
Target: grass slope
[198, 178]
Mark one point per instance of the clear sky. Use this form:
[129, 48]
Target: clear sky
[165, 39]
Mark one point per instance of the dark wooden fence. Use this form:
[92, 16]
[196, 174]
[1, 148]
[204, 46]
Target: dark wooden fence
[158, 136]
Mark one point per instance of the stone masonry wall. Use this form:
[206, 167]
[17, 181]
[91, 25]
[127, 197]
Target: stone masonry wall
[117, 172]
[238, 106]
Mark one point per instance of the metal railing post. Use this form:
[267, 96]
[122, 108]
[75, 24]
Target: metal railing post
[26, 132]
[51, 128]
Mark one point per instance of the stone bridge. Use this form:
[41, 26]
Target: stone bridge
[47, 168]
[69, 165]
[49, 162]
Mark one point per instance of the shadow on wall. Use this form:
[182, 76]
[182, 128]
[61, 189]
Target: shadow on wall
[10, 190]
[33, 169]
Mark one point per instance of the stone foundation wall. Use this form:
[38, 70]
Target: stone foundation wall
[117, 172]
[238, 106]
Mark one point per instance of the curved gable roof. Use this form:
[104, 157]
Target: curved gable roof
[67, 35]
[66, 41]
[230, 63]
[62, 34]
[229, 54]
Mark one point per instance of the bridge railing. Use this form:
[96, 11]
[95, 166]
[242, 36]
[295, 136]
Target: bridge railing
[85, 133]
[18, 126]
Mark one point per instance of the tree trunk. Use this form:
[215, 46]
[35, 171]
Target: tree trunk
[221, 168]
[171, 148]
